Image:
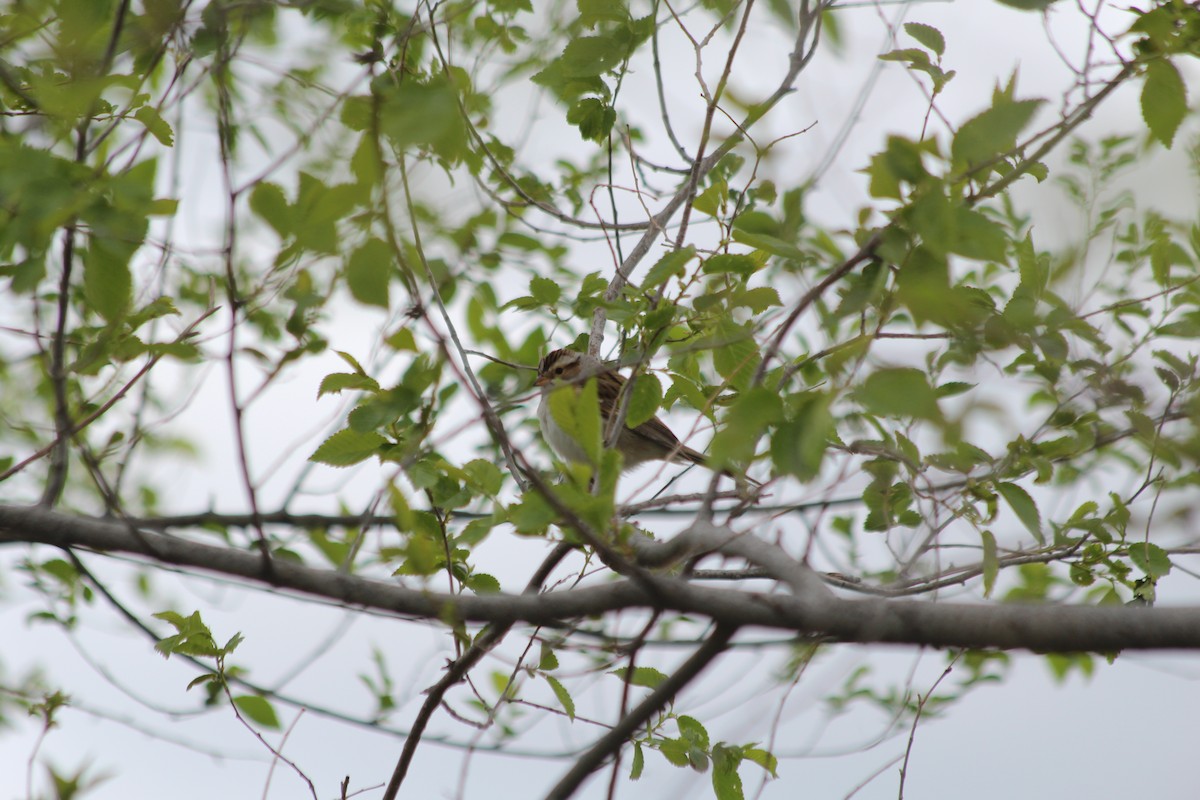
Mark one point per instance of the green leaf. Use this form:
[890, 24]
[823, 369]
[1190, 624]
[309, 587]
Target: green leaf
[648, 677]
[758, 299]
[484, 475]
[1022, 504]
[158, 127]
[107, 281]
[269, 202]
[745, 423]
[727, 784]
[771, 244]
[691, 729]
[991, 563]
[711, 199]
[593, 117]
[669, 266]
[1150, 559]
[591, 56]
[644, 400]
[1028, 5]
[675, 751]
[560, 692]
[743, 265]
[639, 762]
[338, 382]
[993, 132]
[927, 35]
[402, 339]
[532, 515]
[351, 360]
[426, 113]
[1164, 100]
[763, 758]
[368, 273]
[907, 55]
[544, 290]
[903, 392]
[735, 353]
[482, 583]
[577, 412]
[953, 388]
[348, 447]
[258, 709]
[798, 445]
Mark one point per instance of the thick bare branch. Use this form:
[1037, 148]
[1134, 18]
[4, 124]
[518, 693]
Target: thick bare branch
[1043, 628]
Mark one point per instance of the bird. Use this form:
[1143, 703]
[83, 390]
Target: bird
[650, 441]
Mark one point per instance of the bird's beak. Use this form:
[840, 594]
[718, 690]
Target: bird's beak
[542, 380]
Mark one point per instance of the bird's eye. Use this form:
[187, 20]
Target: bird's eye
[558, 370]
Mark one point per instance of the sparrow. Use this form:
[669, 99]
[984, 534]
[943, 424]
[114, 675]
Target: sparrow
[650, 441]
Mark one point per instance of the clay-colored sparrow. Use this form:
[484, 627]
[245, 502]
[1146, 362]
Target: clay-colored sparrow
[650, 441]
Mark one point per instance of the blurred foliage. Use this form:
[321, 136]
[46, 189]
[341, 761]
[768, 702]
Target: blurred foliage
[956, 383]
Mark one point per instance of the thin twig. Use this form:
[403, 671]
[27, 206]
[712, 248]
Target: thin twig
[654, 702]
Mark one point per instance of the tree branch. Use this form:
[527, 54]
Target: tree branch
[655, 702]
[1043, 628]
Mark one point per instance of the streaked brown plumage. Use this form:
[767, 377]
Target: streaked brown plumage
[650, 441]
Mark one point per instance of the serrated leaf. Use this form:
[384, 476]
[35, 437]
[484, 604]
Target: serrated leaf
[590, 56]
[644, 400]
[158, 127]
[368, 273]
[927, 35]
[561, 693]
[1164, 100]
[953, 388]
[1022, 504]
[991, 563]
[903, 392]
[992, 132]
[269, 202]
[208, 677]
[769, 243]
[648, 677]
[532, 515]
[402, 339]
[351, 360]
[798, 445]
[107, 281]
[691, 729]
[639, 762]
[547, 660]
[593, 117]
[727, 784]
[907, 55]
[674, 751]
[763, 758]
[544, 290]
[669, 266]
[758, 299]
[340, 381]
[1027, 5]
[745, 423]
[1150, 559]
[739, 264]
[483, 583]
[258, 709]
[484, 475]
[711, 199]
[735, 355]
[348, 447]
